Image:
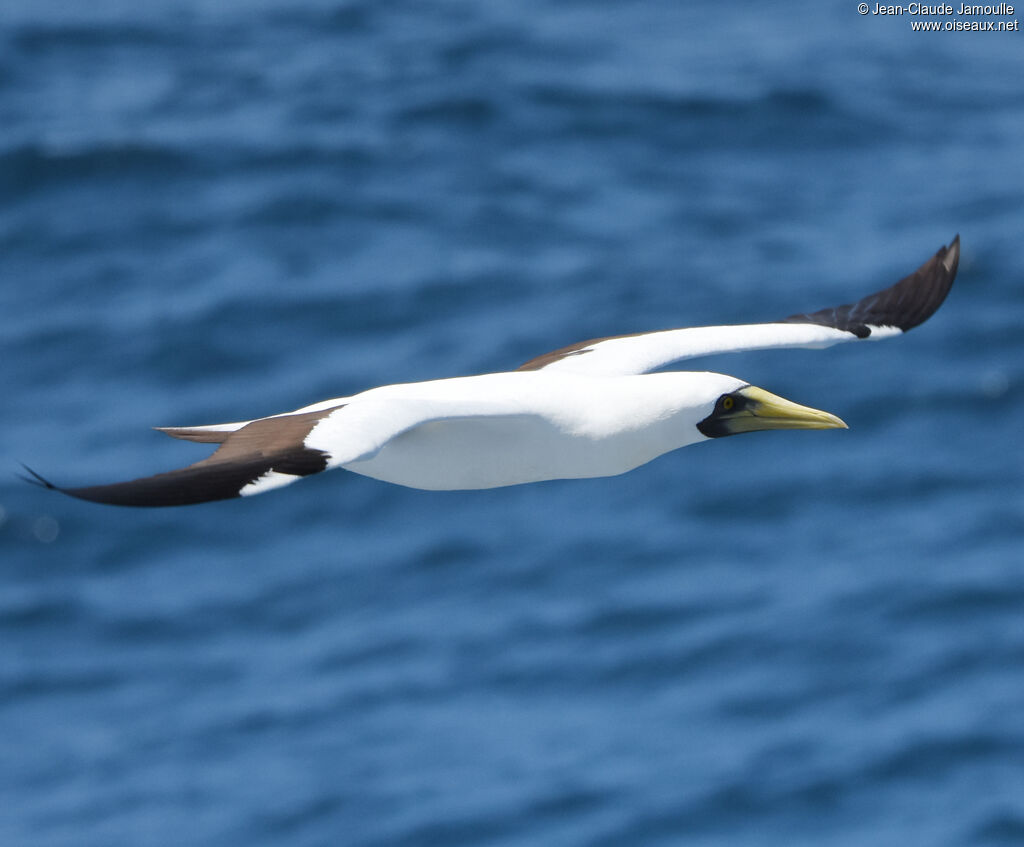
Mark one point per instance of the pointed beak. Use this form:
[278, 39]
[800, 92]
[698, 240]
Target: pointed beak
[765, 410]
[755, 409]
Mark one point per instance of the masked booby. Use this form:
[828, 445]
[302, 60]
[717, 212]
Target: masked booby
[587, 410]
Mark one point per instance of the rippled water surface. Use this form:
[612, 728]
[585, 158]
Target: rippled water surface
[215, 211]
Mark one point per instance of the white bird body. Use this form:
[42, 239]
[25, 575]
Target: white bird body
[587, 410]
[511, 428]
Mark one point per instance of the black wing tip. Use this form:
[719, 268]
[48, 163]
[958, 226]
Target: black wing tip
[139, 492]
[36, 479]
[88, 493]
[904, 305]
[118, 494]
[926, 289]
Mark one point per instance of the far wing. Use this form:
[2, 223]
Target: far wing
[892, 311]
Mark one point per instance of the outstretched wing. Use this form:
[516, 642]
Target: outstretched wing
[261, 455]
[893, 311]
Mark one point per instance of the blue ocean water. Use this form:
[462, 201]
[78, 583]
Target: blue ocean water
[215, 211]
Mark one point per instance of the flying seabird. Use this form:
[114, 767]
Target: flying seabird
[587, 410]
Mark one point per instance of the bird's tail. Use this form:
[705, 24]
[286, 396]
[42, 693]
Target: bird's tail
[212, 434]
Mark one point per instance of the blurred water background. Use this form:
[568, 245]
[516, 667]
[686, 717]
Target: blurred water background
[214, 211]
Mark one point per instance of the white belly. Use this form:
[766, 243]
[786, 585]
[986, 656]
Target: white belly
[471, 453]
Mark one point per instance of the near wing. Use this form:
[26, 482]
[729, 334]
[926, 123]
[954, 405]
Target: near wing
[262, 454]
[893, 311]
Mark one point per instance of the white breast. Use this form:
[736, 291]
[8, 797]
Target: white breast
[582, 427]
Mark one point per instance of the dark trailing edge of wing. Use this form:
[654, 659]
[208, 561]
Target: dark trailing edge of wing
[908, 303]
[270, 444]
[198, 483]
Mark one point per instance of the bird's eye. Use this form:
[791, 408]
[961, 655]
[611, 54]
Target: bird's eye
[728, 403]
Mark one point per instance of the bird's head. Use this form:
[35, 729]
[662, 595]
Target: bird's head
[746, 408]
